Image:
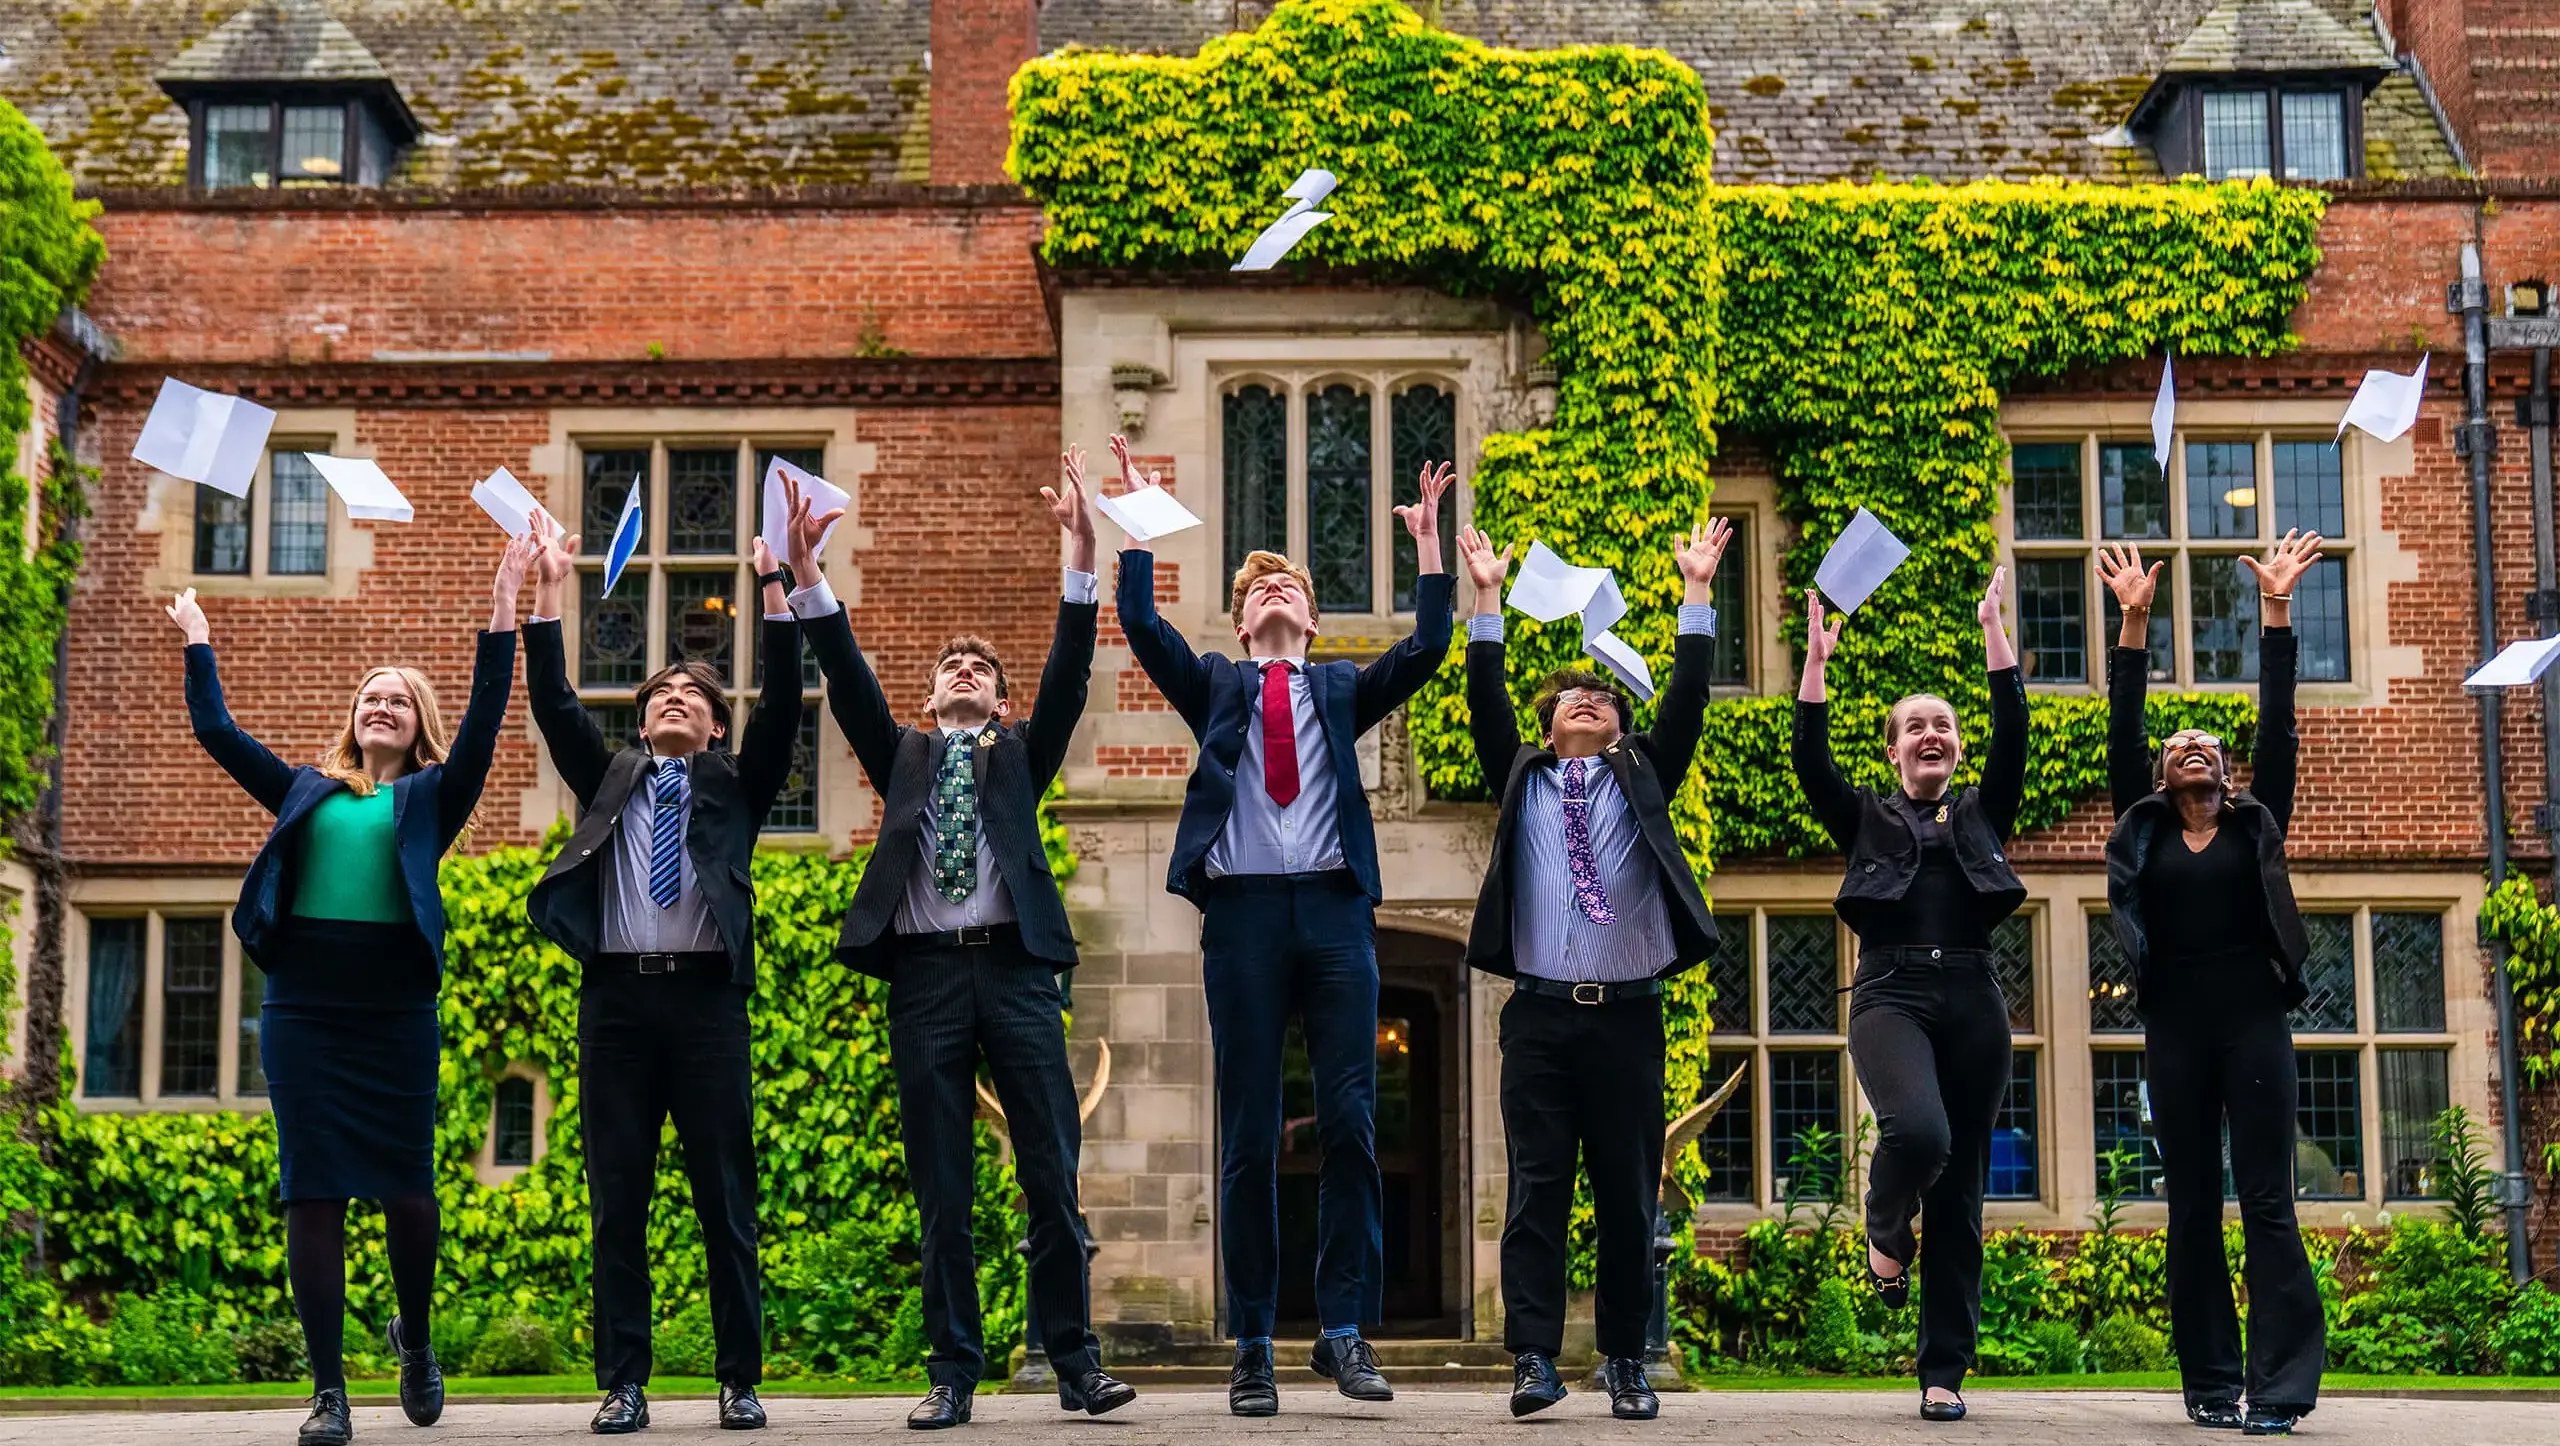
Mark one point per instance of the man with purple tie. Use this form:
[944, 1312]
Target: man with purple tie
[1588, 906]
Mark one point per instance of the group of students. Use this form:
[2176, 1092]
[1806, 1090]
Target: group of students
[1588, 906]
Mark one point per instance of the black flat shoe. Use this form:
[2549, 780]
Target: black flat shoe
[1534, 1383]
[328, 1425]
[1352, 1365]
[421, 1379]
[942, 1408]
[1941, 1410]
[2268, 1422]
[1250, 1389]
[2215, 1415]
[1095, 1392]
[1630, 1397]
[1893, 1290]
[625, 1410]
[740, 1410]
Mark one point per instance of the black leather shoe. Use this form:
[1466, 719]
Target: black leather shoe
[328, 1425]
[625, 1410]
[1534, 1383]
[1250, 1389]
[943, 1407]
[2215, 1415]
[1095, 1392]
[1941, 1410]
[1352, 1365]
[1631, 1398]
[2268, 1421]
[740, 1410]
[421, 1379]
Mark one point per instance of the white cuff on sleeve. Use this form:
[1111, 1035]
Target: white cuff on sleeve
[1485, 628]
[1081, 587]
[817, 600]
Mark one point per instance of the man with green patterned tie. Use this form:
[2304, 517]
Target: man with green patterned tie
[958, 911]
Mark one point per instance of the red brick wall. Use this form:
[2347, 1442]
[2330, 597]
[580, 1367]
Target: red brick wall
[2495, 65]
[977, 45]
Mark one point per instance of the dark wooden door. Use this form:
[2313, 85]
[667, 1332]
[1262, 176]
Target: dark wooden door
[1411, 1036]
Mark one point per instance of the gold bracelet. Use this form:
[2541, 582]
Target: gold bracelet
[2282, 597]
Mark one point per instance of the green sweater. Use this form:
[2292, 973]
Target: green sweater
[348, 866]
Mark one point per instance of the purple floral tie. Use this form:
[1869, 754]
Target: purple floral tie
[1587, 892]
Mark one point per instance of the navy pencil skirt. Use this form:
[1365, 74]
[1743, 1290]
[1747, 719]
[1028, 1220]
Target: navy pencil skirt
[348, 1034]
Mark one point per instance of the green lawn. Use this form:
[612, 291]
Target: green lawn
[459, 1388]
[2114, 1381]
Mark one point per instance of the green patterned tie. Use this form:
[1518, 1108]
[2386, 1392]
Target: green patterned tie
[955, 821]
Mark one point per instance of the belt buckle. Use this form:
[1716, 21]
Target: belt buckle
[975, 934]
[657, 963]
[1594, 997]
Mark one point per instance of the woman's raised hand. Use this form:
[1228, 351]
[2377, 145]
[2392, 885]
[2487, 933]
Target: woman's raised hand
[1987, 612]
[2287, 561]
[1485, 567]
[1697, 555]
[514, 564]
[2120, 568]
[1818, 640]
[190, 618]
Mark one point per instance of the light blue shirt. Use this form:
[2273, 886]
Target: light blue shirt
[1261, 837]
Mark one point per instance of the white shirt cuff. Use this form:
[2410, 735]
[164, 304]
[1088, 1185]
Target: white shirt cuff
[539, 618]
[817, 600]
[1485, 628]
[1081, 587]
[782, 617]
[1698, 618]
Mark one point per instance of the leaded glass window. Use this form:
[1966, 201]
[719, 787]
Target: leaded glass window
[2014, 1175]
[2053, 645]
[2310, 489]
[2320, 621]
[222, 533]
[1804, 974]
[511, 1139]
[796, 809]
[190, 1006]
[2112, 1003]
[2315, 135]
[2162, 635]
[2133, 497]
[1725, 1144]
[1255, 449]
[2413, 1090]
[315, 143]
[613, 633]
[1804, 1123]
[1729, 971]
[2013, 961]
[2046, 478]
[1423, 420]
[2329, 1123]
[2223, 617]
[239, 145]
[297, 516]
[1338, 480]
[610, 476]
[2235, 134]
[111, 1065]
[2408, 973]
[702, 500]
[1731, 592]
[2222, 489]
[702, 617]
[2329, 973]
[2120, 1127]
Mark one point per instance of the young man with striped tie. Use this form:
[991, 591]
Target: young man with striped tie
[1589, 905]
[651, 896]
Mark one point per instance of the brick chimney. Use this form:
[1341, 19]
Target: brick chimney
[2495, 69]
[977, 45]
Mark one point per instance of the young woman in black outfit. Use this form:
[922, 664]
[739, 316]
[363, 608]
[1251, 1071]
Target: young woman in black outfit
[1928, 876]
[2202, 905]
[342, 913]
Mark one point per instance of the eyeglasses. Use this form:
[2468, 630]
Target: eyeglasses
[396, 702]
[1592, 696]
[2193, 740]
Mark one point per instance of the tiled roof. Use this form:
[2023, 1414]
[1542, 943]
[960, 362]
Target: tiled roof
[276, 40]
[2276, 35]
[717, 92]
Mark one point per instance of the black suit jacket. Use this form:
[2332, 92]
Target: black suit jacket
[732, 793]
[1215, 696]
[1649, 769]
[1013, 765]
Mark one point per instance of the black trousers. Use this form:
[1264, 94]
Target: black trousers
[947, 1008]
[1580, 1079]
[1929, 1032]
[2207, 1067]
[651, 1047]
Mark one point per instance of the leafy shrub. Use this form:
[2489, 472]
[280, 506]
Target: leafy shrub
[168, 1339]
[2119, 1273]
[454, 1332]
[683, 1346]
[271, 1350]
[2431, 1297]
[1831, 1341]
[2122, 1342]
[516, 1345]
[2527, 1342]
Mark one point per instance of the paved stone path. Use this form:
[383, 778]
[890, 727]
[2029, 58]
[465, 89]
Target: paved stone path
[1419, 1418]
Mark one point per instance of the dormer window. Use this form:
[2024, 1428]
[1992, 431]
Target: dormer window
[2264, 88]
[2298, 134]
[282, 94]
[274, 143]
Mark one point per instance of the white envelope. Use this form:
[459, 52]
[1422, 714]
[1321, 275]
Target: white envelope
[2164, 414]
[361, 485]
[208, 437]
[510, 505]
[824, 497]
[1859, 561]
[1146, 513]
[2386, 403]
[2518, 664]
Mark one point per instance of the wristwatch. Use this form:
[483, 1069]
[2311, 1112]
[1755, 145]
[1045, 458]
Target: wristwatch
[781, 573]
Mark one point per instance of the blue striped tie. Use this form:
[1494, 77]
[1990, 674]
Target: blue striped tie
[666, 834]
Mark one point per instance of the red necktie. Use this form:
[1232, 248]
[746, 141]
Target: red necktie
[1279, 736]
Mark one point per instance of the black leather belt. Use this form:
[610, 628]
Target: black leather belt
[665, 963]
[1587, 992]
[972, 936]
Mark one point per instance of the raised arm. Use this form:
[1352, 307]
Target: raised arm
[266, 777]
[861, 709]
[2275, 763]
[1160, 648]
[573, 740]
[773, 726]
[1493, 725]
[493, 675]
[1067, 675]
[1829, 795]
[1400, 672]
[1682, 717]
[2120, 569]
[2004, 770]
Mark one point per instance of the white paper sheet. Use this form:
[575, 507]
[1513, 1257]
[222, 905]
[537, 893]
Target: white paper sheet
[2386, 403]
[626, 538]
[1614, 654]
[511, 506]
[824, 497]
[2517, 664]
[208, 437]
[1278, 237]
[1146, 513]
[1859, 561]
[361, 485]
[2164, 414]
[1548, 588]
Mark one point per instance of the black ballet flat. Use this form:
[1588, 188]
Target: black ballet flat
[1941, 1410]
[1893, 1290]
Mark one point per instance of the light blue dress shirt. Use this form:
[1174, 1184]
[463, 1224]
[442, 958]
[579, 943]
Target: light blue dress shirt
[1261, 837]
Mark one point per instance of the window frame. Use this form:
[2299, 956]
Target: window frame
[1760, 1043]
[2270, 88]
[261, 523]
[277, 103]
[149, 1098]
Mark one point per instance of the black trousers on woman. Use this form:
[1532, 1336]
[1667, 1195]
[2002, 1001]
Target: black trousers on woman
[2209, 1064]
[1929, 1031]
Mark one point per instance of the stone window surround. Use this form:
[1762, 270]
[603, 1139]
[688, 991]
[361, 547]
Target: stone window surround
[157, 896]
[484, 1165]
[169, 510]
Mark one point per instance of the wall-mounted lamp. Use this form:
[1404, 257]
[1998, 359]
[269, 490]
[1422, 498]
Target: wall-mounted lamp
[2529, 298]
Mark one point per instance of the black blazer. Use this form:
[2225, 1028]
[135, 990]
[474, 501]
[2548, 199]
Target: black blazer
[2263, 811]
[428, 807]
[732, 793]
[1013, 763]
[1649, 768]
[1215, 696]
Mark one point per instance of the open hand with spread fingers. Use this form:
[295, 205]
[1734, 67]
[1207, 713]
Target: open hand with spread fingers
[1698, 555]
[1486, 568]
[190, 618]
[1067, 503]
[2120, 569]
[2294, 554]
[1819, 641]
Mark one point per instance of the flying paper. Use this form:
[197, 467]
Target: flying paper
[362, 487]
[1548, 588]
[1146, 513]
[2386, 403]
[2518, 664]
[1859, 562]
[2164, 414]
[200, 436]
[510, 506]
[1301, 217]
[626, 538]
[824, 497]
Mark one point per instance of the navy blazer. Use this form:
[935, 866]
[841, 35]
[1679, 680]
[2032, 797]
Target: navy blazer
[428, 807]
[1215, 696]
